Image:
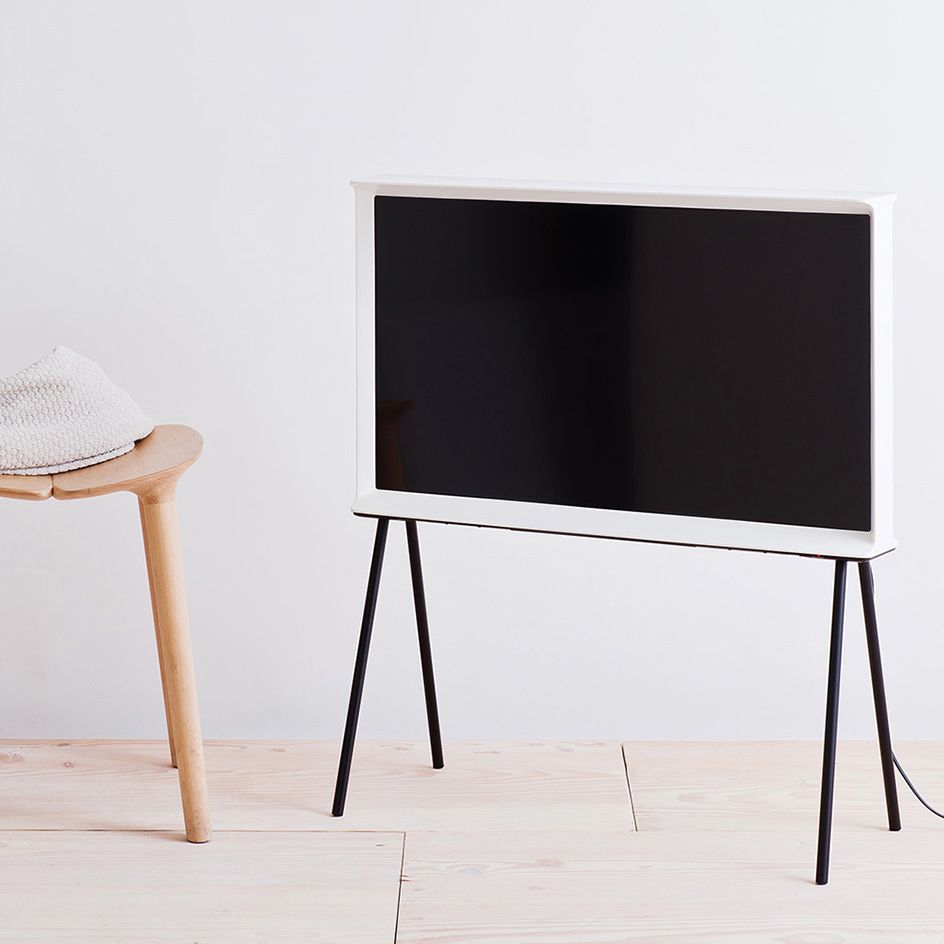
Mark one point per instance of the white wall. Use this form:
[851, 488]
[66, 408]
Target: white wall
[174, 203]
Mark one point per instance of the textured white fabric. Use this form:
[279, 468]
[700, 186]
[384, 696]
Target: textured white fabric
[63, 413]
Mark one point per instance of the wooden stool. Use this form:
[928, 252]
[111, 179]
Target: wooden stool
[151, 471]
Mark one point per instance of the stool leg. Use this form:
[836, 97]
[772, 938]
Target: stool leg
[159, 519]
[160, 644]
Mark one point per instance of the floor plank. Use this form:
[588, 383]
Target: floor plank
[773, 784]
[289, 785]
[687, 887]
[137, 888]
[511, 844]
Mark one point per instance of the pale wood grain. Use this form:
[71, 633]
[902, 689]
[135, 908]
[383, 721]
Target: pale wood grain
[686, 887]
[168, 705]
[289, 784]
[281, 888]
[27, 487]
[159, 523]
[523, 844]
[151, 471]
[760, 785]
[156, 461]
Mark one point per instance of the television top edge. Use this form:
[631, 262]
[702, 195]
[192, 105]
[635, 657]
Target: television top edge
[855, 201]
[678, 365]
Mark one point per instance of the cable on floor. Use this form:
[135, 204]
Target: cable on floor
[914, 789]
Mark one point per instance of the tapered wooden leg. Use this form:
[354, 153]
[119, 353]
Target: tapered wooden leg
[159, 520]
[160, 644]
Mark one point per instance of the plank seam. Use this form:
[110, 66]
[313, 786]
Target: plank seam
[396, 923]
[629, 787]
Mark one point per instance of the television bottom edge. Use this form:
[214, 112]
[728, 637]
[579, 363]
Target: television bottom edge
[721, 534]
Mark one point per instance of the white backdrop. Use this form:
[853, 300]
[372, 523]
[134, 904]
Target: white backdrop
[174, 203]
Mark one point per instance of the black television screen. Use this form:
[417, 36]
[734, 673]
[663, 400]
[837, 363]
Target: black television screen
[712, 363]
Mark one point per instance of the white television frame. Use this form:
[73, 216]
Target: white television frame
[632, 525]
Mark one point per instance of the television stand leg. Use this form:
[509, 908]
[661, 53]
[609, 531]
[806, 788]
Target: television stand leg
[832, 726]
[426, 654]
[867, 585]
[363, 648]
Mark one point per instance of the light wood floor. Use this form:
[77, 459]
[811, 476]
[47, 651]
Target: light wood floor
[513, 843]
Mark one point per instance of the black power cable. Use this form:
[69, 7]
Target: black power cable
[914, 790]
[867, 569]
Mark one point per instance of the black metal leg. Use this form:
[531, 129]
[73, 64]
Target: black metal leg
[360, 668]
[867, 586]
[426, 655]
[832, 726]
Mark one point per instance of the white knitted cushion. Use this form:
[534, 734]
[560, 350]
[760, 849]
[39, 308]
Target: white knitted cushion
[63, 413]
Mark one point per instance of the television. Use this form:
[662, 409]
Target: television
[695, 367]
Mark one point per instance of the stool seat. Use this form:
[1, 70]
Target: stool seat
[27, 487]
[156, 461]
[151, 471]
